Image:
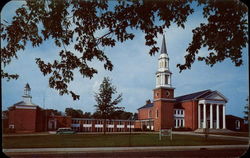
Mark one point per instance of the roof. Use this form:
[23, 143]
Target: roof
[27, 86]
[24, 103]
[234, 117]
[163, 47]
[147, 106]
[178, 106]
[192, 96]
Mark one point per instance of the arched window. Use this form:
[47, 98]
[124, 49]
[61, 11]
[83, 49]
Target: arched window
[157, 113]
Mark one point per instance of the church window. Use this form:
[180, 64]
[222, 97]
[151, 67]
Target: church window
[166, 79]
[157, 113]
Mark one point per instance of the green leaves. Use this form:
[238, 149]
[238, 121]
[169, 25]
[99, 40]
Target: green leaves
[104, 98]
[224, 35]
[79, 23]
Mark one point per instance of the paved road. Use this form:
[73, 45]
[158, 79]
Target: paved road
[206, 153]
[154, 151]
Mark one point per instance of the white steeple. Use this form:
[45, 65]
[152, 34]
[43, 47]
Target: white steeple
[27, 97]
[163, 75]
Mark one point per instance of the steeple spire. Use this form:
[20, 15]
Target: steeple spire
[163, 47]
[163, 75]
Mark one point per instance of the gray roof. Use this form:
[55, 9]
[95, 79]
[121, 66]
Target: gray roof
[196, 95]
[163, 47]
[147, 106]
[192, 96]
[27, 86]
[24, 103]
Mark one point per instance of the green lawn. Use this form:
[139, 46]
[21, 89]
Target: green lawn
[109, 140]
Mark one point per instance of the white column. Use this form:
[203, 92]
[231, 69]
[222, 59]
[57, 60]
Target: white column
[217, 117]
[204, 116]
[199, 116]
[211, 115]
[224, 117]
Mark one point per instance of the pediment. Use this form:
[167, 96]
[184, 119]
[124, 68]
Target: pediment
[216, 96]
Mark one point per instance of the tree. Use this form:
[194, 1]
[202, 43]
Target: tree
[105, 106]
[246, 112]
[135, 116]
[77, 22]
[87, 115]
[55, 112]
[121, 114]
[77, 113]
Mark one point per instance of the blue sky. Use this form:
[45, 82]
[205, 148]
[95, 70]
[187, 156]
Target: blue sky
[133, 73]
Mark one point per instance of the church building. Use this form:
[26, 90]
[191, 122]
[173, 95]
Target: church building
[26, 116]
[199, 110]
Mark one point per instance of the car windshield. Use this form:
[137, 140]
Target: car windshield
[64, 129]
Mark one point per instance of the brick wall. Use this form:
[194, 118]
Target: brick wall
[189, 114]
[24, 120]
[144, 113]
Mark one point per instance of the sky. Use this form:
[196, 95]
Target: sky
[133, 73]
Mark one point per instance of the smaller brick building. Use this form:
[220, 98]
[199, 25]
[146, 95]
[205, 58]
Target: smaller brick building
[235, 123]
[25, 116]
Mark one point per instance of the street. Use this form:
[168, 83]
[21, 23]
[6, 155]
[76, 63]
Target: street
[201, 152]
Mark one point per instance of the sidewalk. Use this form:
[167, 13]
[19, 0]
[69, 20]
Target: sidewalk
[122, 149]
[214, 135]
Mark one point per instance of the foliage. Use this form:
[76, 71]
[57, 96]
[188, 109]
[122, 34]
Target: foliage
[87, 115]
[105, 106]
[246, 112]
[121, 114]
[54, 112]
[135, 116]
[76, 113]
[78, 22]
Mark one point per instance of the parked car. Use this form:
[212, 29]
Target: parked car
[65, 131]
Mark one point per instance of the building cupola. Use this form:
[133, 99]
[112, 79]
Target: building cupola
[27, 95]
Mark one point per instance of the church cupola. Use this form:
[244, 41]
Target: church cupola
[27, 96]
[163, 75]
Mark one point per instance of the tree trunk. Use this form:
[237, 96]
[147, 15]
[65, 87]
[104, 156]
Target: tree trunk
[104, 126]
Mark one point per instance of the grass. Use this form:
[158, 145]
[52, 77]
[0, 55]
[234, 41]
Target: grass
[109, 140]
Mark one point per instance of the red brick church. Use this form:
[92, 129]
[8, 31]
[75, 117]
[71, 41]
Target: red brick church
[199, 110]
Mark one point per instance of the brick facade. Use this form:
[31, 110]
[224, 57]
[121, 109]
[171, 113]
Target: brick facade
[24, 119]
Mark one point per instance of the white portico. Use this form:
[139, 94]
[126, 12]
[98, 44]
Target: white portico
[211, 111]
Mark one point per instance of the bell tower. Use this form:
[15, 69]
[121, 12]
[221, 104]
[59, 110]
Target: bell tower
[164, 92]
[27, 96]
